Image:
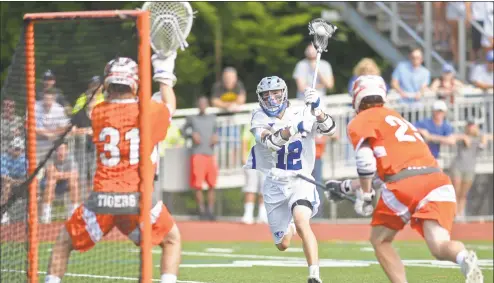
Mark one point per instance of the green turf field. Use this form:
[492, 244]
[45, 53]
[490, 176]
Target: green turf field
[260, 262]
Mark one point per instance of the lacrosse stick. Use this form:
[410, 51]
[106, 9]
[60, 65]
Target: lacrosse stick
[331, 191]
[322, 32]
[171, 23]
[283, 175]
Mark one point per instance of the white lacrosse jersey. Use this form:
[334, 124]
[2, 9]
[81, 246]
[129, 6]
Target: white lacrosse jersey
[298, 154]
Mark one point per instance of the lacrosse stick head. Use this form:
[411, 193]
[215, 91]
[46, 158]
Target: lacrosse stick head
[322, 32]
[171, 23]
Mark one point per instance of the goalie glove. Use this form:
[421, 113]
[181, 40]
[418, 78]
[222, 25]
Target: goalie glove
[344, 187]
[163, 69]
[363, 203]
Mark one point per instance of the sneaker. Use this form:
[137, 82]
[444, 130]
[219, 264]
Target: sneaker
[210, 216]
[262, 220]
[312, 279]
[5, 218]
[248, 220]
[202, 216]
[471, 270]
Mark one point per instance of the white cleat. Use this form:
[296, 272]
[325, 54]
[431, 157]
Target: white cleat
[471, 269]
[313, 279]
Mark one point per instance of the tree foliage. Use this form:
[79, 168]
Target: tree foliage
[257, 38]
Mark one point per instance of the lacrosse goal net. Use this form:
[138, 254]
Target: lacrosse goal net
[48, 159]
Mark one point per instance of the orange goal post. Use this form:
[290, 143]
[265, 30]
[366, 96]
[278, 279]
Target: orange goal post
[72, 49]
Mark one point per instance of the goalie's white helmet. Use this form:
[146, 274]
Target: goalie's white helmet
[272, 105]
[365, 86]
[122, 71]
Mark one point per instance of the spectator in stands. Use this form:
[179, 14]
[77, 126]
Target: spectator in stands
[229, 93]
[478, 15]
[455, 11]
[203, 168]
[61, 176]
[83, 132]
[49, 83]
[487, 40]
[410, 79]
[254, 180]
[437, 130]
[13, 171]
[12, 125]
[447, 86]
[365, 66]
[304, 73]
[94, 86]
[51, 122]
[462, 168]
[482, 75]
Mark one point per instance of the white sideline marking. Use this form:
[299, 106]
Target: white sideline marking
[367, 249]
[284, 261]
[98, 276]
[218, 250]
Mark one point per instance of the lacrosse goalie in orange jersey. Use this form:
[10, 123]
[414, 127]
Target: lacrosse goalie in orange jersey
[414, 188]
[114, 201]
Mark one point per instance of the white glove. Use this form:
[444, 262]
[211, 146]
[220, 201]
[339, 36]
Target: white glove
[163, 69]
[302, 125]
[312, 98]
[363, 202]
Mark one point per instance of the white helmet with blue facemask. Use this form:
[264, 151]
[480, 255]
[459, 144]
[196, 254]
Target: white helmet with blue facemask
[272, 93]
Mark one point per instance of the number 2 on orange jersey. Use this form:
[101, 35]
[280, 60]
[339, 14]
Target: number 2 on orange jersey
[404, 125]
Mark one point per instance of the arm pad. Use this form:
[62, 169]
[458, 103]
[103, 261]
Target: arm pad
[326, 127]
[274, 141]
[366, 162]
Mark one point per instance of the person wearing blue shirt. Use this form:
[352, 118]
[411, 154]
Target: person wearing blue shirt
[410, 79]
[436, 130]
[13, 171]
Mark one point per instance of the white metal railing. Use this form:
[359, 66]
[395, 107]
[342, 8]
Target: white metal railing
[338, 158]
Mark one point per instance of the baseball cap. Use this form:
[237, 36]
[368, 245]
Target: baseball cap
[17, 143]
[447, 68]
[48, 75]
[490, 56]
[439, 105]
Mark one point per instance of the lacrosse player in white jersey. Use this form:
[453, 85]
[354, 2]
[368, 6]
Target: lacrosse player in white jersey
[285, 143]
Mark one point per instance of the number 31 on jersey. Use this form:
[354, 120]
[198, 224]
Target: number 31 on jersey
[112, 152]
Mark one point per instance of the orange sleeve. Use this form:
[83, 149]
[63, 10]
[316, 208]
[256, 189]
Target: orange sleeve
[359, 130]
[160, 118]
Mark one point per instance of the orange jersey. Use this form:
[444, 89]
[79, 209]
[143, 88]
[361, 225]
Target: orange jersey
[395, 141]
[116, 136]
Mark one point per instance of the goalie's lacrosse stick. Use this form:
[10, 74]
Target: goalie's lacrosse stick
[322, 32]
[171, 23]
[331, 191]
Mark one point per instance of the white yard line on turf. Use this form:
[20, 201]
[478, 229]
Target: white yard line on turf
[99, 276]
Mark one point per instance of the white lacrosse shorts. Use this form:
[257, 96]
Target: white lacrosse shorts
[279, 196]
[254, 181]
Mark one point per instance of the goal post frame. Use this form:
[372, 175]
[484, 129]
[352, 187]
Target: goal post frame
[146, 168]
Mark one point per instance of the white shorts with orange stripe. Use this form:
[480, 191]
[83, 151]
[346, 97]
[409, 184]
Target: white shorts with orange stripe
[86, 228]
[415, 199]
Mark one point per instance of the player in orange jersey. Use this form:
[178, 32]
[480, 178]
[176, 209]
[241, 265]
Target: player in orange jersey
[414, 188]
[114, 201]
